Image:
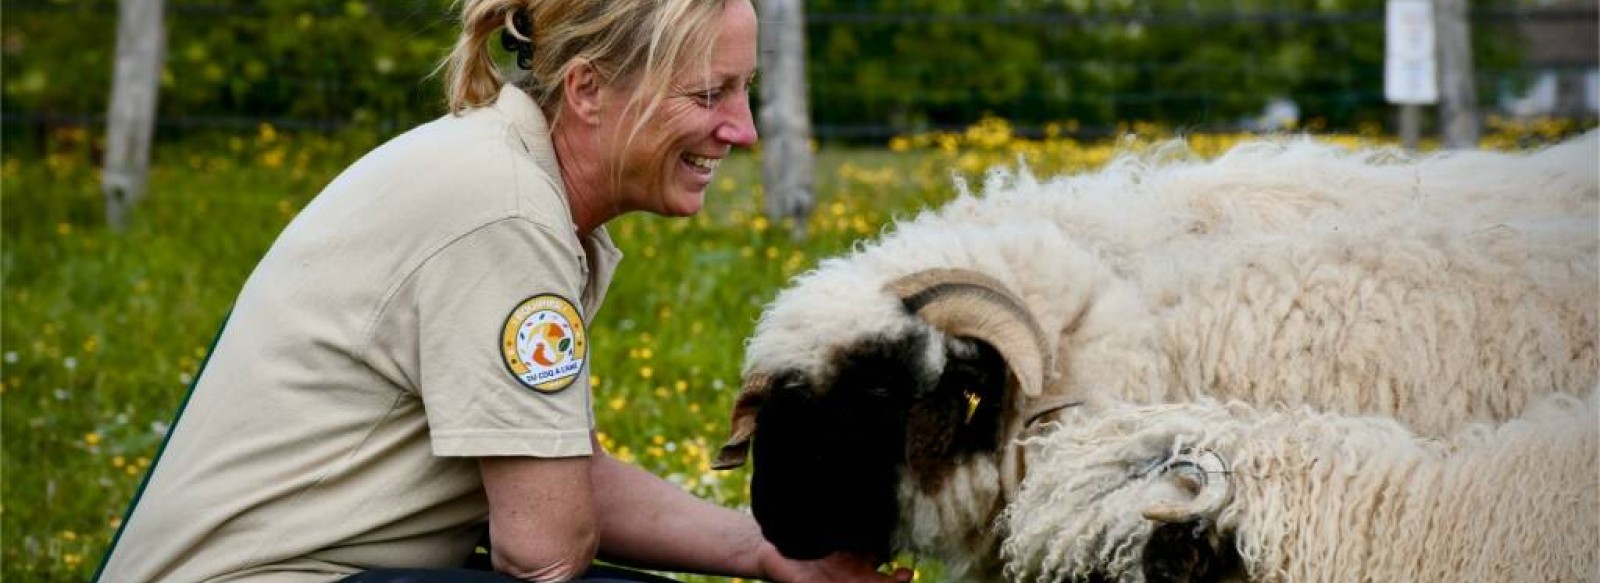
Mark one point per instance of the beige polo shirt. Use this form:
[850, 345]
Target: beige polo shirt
[428, 307]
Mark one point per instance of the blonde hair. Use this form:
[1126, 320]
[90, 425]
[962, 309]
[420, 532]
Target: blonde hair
[627, 41]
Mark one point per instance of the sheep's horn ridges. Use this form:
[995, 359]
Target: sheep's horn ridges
[1207, 473]
[963, 302]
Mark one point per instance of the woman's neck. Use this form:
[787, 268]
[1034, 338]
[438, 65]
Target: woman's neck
[584, 180]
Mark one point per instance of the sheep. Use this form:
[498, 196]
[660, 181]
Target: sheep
[1211, 491]
[886, 390]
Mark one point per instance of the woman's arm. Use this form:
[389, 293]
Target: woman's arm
[541, 516]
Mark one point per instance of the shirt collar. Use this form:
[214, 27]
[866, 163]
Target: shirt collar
[534, 132]
[531, 128]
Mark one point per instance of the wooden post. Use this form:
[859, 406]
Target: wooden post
[1410, 59]
[1458, 97]
[786, 160]
[1410, 125]
[131, 116]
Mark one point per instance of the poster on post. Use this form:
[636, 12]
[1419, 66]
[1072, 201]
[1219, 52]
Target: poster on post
[1410, 67]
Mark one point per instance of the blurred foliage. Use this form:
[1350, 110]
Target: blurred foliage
[876, 68]
[320, 63]
[920, 64]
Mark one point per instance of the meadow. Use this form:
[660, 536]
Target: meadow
[102, 333]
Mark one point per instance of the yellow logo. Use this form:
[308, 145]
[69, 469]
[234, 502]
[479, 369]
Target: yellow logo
[544, 344]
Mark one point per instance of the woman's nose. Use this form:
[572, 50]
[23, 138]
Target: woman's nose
[739, 127]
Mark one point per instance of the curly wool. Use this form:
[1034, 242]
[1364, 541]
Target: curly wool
[1323, 497]
[1443, 290]
[1364, 276]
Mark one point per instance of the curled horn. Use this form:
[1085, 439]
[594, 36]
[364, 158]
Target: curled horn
[962, 302]
[751, 396]
[1206, 475]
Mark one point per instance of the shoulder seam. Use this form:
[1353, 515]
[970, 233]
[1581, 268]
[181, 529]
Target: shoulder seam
[364, 346]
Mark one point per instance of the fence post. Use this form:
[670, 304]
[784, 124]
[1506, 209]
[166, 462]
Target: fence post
[131, 116]
[786, 159]
[1458, 97]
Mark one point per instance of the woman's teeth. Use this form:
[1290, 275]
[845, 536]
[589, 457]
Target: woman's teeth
[707, 164]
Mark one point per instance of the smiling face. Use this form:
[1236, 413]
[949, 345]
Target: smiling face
[664, 165]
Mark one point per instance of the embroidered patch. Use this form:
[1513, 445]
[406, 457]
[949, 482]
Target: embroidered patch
[543, 343]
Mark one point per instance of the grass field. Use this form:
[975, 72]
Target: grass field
[101, 333]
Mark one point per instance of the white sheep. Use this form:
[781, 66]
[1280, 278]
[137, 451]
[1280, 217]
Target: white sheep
[1305, 496]
[1441, 291]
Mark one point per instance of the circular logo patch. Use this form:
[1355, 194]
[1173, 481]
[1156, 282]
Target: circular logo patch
[543, 343]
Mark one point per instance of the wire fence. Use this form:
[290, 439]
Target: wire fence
[876, 69]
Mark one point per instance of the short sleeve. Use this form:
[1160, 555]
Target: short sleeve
[503, 344]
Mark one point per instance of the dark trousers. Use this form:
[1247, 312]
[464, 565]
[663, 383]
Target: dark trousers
[595, 574]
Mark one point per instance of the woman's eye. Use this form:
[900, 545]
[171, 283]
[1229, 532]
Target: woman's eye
[708, 98]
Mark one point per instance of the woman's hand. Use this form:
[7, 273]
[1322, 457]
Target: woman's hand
[838, 567]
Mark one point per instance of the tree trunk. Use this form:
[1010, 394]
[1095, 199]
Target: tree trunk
[130, 119]
[787, 160]
[1458, 97]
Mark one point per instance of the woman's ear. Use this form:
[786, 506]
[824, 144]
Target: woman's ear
[581, 92]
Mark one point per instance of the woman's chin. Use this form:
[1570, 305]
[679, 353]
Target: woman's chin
[683, 204]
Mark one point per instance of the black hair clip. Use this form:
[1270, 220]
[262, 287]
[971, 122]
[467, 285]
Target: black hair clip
[513, 38]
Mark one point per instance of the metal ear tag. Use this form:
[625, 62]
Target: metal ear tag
[972, 405]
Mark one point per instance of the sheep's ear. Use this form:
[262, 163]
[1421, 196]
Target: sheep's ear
[745, 408]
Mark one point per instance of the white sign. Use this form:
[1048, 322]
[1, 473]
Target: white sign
[1409, 66]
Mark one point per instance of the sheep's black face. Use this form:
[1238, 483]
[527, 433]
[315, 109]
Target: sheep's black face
[828, 460]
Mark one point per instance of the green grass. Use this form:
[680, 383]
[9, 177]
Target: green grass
[101, 332]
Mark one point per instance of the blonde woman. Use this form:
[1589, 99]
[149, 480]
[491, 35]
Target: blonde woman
[406, 369]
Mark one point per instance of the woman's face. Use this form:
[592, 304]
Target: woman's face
[666, 167]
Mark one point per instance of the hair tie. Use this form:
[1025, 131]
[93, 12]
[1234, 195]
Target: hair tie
[512, 38]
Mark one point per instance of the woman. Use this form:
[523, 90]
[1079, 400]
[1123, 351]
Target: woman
[408, 359]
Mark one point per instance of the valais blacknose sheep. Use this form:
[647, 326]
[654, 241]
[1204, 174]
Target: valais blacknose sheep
[1204, 491]
[886, 391]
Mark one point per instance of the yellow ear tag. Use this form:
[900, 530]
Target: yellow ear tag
[972, 405]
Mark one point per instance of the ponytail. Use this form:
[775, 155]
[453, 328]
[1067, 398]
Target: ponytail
[471, 78]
